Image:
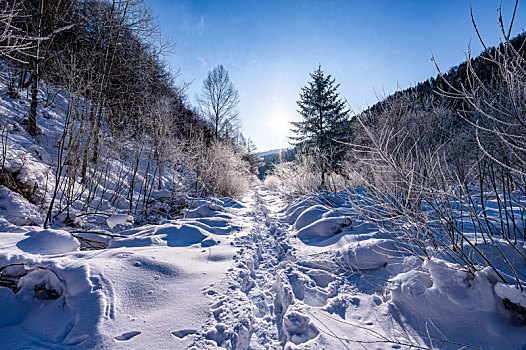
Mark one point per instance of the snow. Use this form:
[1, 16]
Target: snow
[369, 254]
[48, 242]
[298, 328]
[17, 210]
[323, 228]
[119, 219]
[308, 215]
[138, 295]
[243, 277]
[512, 293]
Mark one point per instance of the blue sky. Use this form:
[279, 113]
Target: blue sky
[270, 47]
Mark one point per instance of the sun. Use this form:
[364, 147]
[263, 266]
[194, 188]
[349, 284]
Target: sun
[279, 124]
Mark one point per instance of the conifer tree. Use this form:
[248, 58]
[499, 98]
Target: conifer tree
[325, 123]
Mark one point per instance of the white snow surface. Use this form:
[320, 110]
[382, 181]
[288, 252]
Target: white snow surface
[238, 275]
[119, 219]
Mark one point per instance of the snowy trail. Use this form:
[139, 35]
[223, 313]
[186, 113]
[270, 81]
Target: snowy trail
[243, 315]
[283, 294]
[277, 296]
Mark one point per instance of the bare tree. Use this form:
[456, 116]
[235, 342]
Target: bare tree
[218, 102]
[13, 41]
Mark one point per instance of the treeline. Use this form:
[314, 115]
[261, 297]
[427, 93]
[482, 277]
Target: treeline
[128, 128]
[272, 159]
[109, 52]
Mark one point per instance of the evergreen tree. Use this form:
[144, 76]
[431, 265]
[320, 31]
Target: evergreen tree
[325, 123]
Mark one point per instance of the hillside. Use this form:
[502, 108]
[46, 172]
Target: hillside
[455, 77]
[270, 158]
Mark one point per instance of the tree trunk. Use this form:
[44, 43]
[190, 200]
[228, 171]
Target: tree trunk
[33, 128]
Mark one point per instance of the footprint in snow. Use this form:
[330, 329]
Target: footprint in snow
[183, 333]
[127, 335]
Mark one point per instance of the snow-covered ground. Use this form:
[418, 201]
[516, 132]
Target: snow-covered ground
[150, 289]
[255, 274]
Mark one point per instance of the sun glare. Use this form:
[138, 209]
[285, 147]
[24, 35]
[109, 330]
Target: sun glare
[279, 124]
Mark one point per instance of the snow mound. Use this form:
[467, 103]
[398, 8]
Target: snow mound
[40, 283]
[369, 254]
[309, 215]
[173, 235]
[512, 293]
[119, 219]
[48, 242]
[205, 210]
[447, 285]
[218, 226]
[323, 228]
[464, 306]
[18, 210]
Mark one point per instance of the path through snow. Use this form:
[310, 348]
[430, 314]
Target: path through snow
[310, 275]
[277, 296]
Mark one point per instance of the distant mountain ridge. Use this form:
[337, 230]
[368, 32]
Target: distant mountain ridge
[275, 156]
[274, 151]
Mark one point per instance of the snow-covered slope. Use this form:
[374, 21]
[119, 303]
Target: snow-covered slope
[257, 274]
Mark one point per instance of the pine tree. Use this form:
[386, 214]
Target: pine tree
[325, 123]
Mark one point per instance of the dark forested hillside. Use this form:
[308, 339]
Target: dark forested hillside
[96, 71]
[456, 77]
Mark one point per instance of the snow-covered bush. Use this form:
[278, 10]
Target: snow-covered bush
[222, 171]
[298, 177]
[272, 182]
[303, 176]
